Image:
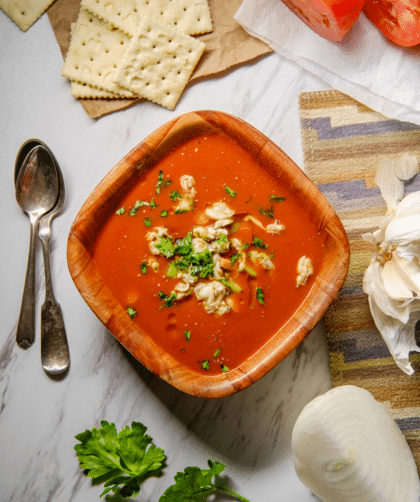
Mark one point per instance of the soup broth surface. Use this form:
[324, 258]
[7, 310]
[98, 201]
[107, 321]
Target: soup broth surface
[257, 300]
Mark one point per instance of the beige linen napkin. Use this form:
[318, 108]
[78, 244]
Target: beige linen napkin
[364, 65]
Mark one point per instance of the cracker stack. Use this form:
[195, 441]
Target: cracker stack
[136, 48]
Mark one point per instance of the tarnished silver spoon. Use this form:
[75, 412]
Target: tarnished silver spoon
[36, 193]
[55, 354]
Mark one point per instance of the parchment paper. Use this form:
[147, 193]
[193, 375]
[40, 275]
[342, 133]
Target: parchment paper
[228, 46]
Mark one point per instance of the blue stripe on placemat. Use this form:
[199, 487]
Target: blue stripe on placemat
[408, 424]
[326, 131]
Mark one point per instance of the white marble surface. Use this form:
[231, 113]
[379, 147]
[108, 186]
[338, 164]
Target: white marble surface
[250, 432]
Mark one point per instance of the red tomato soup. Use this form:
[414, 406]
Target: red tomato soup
[204, 254]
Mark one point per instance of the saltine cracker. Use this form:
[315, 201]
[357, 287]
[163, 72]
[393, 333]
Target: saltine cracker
[24, 12]
[159, 62]
[94, 52]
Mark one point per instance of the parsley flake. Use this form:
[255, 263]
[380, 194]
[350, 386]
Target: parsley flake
[230, 192]
[224, 368]
[161, 183]
[131, 312]
[120, 211]
[187, 335]
[164, 213]
[168, 301]
[259, 243]
[235, 257]
[277, 199]
[205, 365]
[175, 196]
[260, 296]
[147, 222]
[267, 212]
[143, 267]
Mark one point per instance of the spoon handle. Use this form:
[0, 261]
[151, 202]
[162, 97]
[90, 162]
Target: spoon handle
[55, 356]
[25, 334]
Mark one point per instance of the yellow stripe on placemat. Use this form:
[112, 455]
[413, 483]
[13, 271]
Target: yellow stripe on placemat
[344, 143]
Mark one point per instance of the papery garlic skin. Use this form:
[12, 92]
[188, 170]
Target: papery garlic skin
[392, 279]
[347, 448]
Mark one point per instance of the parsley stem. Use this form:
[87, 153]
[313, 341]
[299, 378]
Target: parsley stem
[232, 493]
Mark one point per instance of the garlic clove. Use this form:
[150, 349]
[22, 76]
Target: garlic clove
[408, 270]
[394, 285]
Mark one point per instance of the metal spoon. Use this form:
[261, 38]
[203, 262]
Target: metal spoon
[55, 354]
[36, 193]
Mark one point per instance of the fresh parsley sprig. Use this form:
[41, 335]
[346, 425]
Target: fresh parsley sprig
[122, 461]
[196, 484]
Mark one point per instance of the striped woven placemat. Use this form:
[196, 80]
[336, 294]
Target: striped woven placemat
[343, 143]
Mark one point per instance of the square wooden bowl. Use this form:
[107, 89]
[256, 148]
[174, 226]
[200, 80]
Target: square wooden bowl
[122, 178]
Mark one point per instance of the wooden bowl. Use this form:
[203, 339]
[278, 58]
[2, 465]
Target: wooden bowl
[94, 213]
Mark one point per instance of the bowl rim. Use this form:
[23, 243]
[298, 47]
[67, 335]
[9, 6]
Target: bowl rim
[121, 177]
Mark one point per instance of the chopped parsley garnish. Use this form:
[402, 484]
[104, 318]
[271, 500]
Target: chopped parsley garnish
[267, 212]
[165, 247]
[187, 335]
[120, 211]
[147, 222]
[198, 263]
[181, 211]
[143, 267]
[164, 213]
[205, 365]
[277, 199]
[175, 196]
[229, 191]
[161, 183]
[153, 203]
[235, 257]
[259, 243]
[260, 296]
[131, 312]
[137, 205]
[168, 301]
[184, 246]
[217, 353]
[245, 245]
[224, 368]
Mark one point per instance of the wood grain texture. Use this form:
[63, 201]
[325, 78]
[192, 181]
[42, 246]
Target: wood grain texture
[123, 177]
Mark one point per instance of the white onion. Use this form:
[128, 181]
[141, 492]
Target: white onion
[347, 448]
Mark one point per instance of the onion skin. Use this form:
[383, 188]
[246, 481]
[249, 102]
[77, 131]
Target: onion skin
[347, 448]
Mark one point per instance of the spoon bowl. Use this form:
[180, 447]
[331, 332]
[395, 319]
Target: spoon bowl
[36, 193]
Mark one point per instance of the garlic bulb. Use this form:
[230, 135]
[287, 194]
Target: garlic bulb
[392, 279]
[347, 448]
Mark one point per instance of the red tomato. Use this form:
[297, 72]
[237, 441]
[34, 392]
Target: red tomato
[331, 19]
[399, 20]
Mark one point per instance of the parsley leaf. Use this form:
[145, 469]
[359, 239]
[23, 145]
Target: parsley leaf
[120, 211]
[168, 301]
[161, 183]
[258, 243]
[229, 191]
[277, 199]
[175, 196]
[187, 335]
[235, 257]
[267, 212]
[165, 247]
[147, 222]
[122, 461]
[143, 267]
[260, 296]
[195, 484]
[131, 312]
